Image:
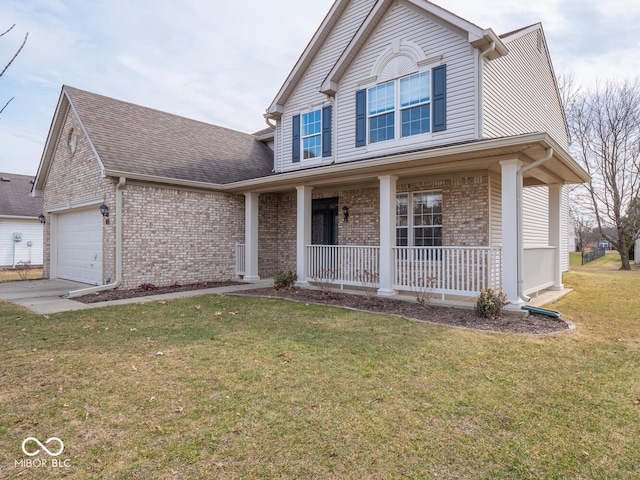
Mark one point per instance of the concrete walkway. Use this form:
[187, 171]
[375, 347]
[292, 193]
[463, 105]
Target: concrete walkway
[47, 296]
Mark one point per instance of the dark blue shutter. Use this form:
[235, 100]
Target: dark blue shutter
[439, 98]
[296, 139]
[361, 118]
[326, 131]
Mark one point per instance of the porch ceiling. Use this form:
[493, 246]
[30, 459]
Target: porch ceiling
[451, 159]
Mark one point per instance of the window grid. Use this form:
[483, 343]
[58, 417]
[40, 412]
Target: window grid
[311, 129]
[419, 221]
[413, 108]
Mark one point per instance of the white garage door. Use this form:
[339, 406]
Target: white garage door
[80, 246]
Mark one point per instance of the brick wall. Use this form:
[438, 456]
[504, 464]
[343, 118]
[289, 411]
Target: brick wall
[178, 235]
[465, 217]
[465, 208]
[74, 179]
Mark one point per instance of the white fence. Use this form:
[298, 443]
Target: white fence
[538, 268]
[344, 264]
[443, 270]
[240, 266]
[448, 270]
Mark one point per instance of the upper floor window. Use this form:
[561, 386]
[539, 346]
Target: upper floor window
[408, 106]
[311, 134]
[414, 107]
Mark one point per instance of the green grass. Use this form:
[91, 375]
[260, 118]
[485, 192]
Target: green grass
[251, 388]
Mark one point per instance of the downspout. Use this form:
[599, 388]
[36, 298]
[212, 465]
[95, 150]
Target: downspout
[483, 55]
[519, 189]
[118, 281]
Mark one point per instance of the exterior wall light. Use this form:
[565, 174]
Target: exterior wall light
[345, 213]
[42, 218]
[104, 210]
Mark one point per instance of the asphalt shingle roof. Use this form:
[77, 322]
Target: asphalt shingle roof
[15, 199]
[134, 139]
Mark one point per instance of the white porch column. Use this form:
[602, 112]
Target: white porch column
[555, 233]
[511, 234]
[303, 232]
[387, 233]
[251, 236]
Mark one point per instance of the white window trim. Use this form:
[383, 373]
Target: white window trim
[303, 137]
[399, 140]
[410, 213]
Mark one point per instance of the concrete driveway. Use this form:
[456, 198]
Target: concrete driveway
[42, 296]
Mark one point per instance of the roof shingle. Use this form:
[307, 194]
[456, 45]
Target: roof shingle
[133, 139]
[15, 198]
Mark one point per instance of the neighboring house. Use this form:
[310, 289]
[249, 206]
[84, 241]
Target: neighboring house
[409, 149]
[20, 228]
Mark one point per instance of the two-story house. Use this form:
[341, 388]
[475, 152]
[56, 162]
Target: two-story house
[408, 149]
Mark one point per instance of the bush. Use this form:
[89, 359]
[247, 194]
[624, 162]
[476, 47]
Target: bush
[490, 303]
[284, 279]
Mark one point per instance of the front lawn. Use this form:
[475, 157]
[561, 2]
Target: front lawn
[231, 387]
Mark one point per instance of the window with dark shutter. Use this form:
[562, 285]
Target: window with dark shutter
[439, 98]
[361, 118]
[326, 131]
[296, 139]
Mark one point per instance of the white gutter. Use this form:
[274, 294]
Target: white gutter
[118, 282]
[483, 55]
[520, 241]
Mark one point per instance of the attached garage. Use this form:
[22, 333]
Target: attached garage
[79, 246]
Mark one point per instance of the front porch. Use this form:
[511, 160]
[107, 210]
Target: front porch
[434, 271]
[449, 225]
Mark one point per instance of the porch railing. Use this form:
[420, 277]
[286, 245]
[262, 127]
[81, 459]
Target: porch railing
[344, 264]
[240, 266]
[442, 270]
[448, 270]
[538, 268]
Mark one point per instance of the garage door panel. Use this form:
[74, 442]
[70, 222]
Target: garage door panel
[80, 246]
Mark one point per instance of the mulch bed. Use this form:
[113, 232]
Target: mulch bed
[148, 289]
[457, 317]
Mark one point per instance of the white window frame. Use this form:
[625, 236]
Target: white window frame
[410, 216]
[398, 109]
[303, 156]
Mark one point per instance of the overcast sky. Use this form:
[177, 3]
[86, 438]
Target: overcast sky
[223, 62]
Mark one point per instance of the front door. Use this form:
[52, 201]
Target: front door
[324, 223]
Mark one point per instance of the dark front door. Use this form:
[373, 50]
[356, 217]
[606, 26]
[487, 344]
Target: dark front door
[324, 223]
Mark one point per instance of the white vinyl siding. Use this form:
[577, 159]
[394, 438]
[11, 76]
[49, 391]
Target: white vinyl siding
[495, 211]
[535, 216]
[306, 94]
[31, 231]
[520, 94]
[404, 23]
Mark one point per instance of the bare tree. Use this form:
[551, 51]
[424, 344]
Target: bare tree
[605, 133]
[582, 226]
[12, 59]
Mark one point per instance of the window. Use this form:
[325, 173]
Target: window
[381, 108]
[411, 105]
[419, 219]
[414, 108]
[312, 134]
